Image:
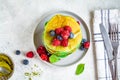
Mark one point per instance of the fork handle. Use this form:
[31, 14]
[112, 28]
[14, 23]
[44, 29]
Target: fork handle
[115, 66]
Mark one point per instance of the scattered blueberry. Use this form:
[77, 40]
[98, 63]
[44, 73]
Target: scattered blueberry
[25, 62]
[52, 33]
[84, 40]
[71, 35]
[59, 37]
[82, 47]
[17, 52]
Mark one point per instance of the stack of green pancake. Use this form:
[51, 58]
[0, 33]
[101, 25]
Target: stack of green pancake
[61, 21]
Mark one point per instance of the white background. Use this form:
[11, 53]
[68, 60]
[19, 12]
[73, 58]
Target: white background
[18, 19]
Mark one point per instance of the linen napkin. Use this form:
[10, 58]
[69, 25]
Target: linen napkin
[104, 16]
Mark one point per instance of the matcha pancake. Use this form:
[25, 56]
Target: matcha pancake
[62, 44]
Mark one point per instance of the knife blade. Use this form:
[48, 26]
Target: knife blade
[107, 42]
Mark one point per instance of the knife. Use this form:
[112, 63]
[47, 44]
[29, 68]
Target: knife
[107, 42]
[109, 49]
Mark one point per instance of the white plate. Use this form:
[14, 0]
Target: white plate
[72, 58]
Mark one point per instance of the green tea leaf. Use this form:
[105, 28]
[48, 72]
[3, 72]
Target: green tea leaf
[80, 69]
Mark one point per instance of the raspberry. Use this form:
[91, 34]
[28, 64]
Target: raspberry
[86, 45]
[30, 54]
[58, 30]
[78, 22]
[44, 57]
[68, 28]
[56, 42]
[41, 50]
[65, 34]
[64, 43]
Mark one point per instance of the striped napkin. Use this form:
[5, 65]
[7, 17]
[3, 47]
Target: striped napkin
[113, 16]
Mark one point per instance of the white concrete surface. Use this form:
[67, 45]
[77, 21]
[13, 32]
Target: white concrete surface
[18, 19]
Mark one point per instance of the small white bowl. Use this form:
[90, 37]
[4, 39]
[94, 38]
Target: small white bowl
[11, 73]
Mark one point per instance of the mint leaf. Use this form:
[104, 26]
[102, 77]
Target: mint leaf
[46, 23]
[53, 58]
[80, 69]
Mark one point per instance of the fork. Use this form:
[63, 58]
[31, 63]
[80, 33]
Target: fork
[114, 36]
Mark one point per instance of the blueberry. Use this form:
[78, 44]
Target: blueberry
[84, 40]
[59, 37]
[52, 33]
[17, 52]
[25, 62]
[82, 47]
[71, 35]
[48, 54]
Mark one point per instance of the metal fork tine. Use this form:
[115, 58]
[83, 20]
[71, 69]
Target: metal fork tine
[117, 33]
[113, 33]
[111, 36]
